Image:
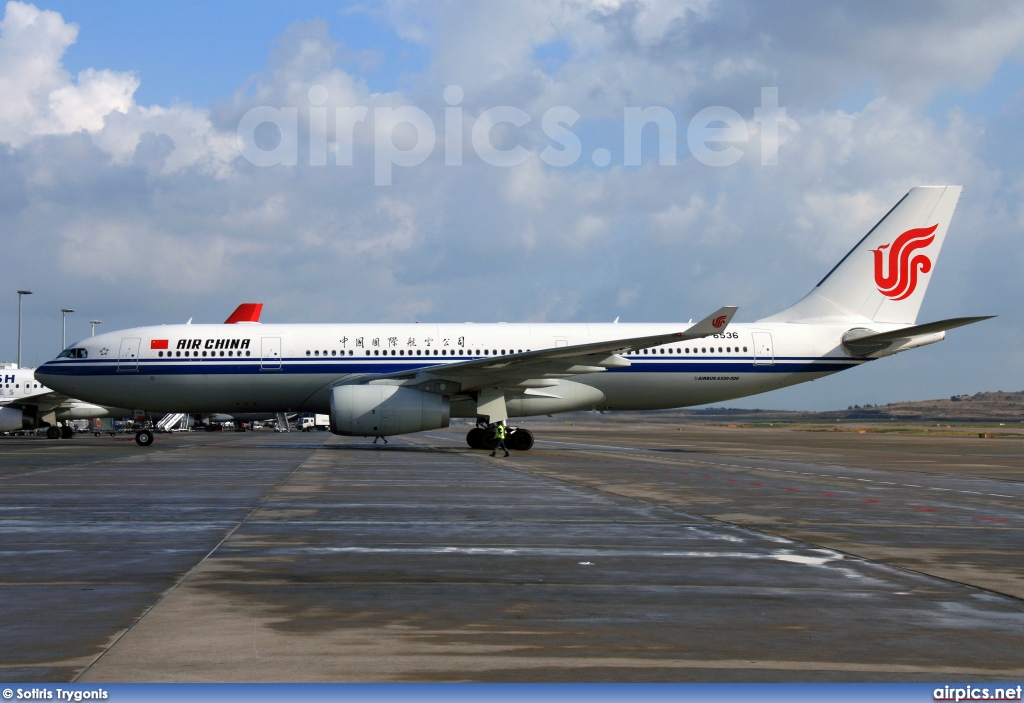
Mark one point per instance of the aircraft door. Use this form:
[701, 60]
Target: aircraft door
[271, 354]
[128, 357]
[764, 354]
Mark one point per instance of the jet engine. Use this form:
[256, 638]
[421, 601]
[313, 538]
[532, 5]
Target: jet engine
[11, 419]
[386, 410]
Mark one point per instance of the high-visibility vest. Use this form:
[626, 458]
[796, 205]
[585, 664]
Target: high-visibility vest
[499, 432]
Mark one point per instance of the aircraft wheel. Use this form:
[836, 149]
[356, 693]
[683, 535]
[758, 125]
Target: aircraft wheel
[66, 432]
[53, 432]
[521, 440]
[475, 438]
[144, 438]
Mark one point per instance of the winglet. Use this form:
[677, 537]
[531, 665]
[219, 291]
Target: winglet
[246, 312]
[715, 323]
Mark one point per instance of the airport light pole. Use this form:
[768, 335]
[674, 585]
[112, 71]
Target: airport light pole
[64, 326]
[20, 294]
[94, 323]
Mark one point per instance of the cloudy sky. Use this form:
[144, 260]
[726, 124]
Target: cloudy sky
[126, 191]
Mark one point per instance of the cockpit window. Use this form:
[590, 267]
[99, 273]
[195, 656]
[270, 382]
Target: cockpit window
[73, 354]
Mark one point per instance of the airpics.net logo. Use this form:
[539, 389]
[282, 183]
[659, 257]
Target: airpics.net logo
[407, 136]
[977, 693]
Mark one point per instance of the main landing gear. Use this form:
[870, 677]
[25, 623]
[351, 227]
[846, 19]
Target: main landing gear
[144, 438]
[480, 437]
[62, 432]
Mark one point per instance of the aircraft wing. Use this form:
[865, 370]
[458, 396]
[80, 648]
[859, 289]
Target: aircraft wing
[554, 363]
[42, 402]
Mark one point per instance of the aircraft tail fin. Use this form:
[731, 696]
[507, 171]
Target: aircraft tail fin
[246, 312]
[885, 276]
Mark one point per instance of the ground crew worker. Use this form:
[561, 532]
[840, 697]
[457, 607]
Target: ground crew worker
[499, 438]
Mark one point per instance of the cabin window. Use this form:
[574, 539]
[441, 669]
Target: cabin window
[744, 348]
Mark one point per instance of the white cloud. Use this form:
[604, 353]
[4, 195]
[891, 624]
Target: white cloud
[39, 96]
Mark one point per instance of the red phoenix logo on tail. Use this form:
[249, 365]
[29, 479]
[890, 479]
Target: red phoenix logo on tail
[718, 321]
[901, 279]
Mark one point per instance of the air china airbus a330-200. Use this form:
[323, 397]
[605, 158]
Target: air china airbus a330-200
[384, 379]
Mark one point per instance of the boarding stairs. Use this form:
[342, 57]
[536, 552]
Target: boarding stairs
[173, 422]
[281, 424]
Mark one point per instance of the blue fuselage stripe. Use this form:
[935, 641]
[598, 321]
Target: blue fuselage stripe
[300, 366]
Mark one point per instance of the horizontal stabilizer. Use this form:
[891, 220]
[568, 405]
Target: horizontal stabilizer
[869, 343]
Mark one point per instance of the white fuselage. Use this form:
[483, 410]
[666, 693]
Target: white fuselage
[19, 384]
[24, 400]
[273, 368]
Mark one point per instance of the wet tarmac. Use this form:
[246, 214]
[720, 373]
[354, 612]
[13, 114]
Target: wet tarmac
[610, 552]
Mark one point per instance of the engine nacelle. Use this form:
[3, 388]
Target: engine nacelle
[372, 410]
[87, 411]
[11, 419]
